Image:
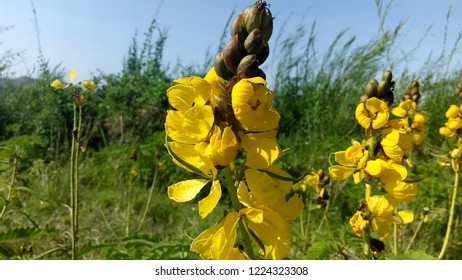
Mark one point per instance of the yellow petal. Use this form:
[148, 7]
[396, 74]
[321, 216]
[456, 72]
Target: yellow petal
[253, 214]
[224, 238]
[340, 172]
[202, 243]
[57, 84]
[88, 85]
[382, 227]
[262, 187]
[71, 75]
[406, 217]
[186, 190]
[207, 204]
[273, 233]
[261, 151]
[445, 131]
[452, 112]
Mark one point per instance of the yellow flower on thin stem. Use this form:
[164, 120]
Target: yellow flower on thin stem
[57, 84]
[373, 113]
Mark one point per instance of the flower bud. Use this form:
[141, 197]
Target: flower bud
[387, 76]
[388, 98]
[220, 67]
[232, 54]
[237, 28]
[458, 90]
[248, 67]
[258, 16]
[383, 88]
[263, 55]
[253, 44]
[371, 88]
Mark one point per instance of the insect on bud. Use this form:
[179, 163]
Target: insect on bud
[258, 15]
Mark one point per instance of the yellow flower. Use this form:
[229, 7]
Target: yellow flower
[88, 85]
[400, 192]
[223, 147]
[396, 143]
[359, 223]
[57, 84]
[352, 162]
[217, 242]
[251, 102]
[262, 148]
[452, 112]
[188, 190]
[404, 109]
[372, 113]
[383, 218]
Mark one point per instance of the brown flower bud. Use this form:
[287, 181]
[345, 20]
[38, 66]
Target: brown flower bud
[248, 67]
[253, 44]
[371, 88]
[388, 98]
[220, 67]
[383, 88]
[263, 55]
[232, 54]
[238, 28]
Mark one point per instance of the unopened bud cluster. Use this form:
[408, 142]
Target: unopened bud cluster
[248, 46]
[412, 91]
[382, 90]
[458, 90]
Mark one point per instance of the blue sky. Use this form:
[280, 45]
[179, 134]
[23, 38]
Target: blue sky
[89, 35]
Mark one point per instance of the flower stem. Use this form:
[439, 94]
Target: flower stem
[414, 236]
[367, 230]
[232, 189]
[10, 186]
[72, 185]
[148, 203]
[451, 216]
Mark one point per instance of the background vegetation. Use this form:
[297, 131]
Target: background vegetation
[125, 212]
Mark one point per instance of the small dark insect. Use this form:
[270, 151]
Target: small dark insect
[262, 5]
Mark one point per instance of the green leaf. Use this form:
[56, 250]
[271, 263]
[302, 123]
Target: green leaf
[20, 233]
[321, 250]
[413, 255]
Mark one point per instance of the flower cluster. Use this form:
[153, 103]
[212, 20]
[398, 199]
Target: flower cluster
[382, 156]
[452, 129]
[224, 131]
[318, 181]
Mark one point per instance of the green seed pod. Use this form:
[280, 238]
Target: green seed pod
[387, 76]
[220, 67]
[383, 88]
[253, 44]
[248, 67]
[232, 54]
[371, 88]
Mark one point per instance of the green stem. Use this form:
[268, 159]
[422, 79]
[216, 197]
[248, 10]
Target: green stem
[129, 199]
[148, 203]
[232, 189]
[414, 236]
[72, 185]
[367, 230]
[395, 239]
[10, 186]
[451, 216]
